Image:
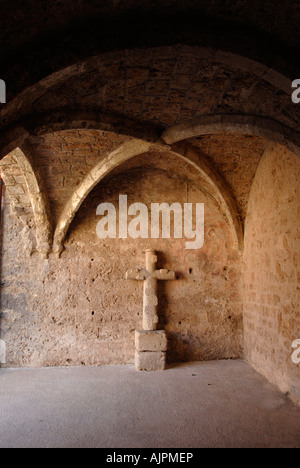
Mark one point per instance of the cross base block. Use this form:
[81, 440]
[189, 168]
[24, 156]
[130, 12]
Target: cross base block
[155, 340]
[150, 361]
[151, 347]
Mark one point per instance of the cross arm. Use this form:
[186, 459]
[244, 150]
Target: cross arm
[164, 275]
[137, 274]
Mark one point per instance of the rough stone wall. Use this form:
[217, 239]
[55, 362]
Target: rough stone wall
[236, 157]
[271, 269]
[52, 172]
[15, 183]
[80, 310]
[65, 158]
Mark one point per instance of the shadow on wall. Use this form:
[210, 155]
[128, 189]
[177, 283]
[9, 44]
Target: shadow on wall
[185, 343]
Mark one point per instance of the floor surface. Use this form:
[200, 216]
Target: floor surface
[208, 404]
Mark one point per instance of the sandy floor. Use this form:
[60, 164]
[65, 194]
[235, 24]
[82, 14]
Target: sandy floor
[209, 404]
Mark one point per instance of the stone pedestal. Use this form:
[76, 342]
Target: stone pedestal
[150, 350]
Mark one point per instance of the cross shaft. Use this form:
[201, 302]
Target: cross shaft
[150, 275]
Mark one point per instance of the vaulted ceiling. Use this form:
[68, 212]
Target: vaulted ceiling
[91, 84]
[38, 37]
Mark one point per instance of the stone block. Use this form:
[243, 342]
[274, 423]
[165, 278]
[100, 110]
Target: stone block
[151, 340]
[150, 361]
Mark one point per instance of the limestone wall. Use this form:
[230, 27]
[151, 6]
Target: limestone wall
[80, 309]
[271, 269]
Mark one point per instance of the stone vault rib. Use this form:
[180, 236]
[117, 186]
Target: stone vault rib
[37, 196]
[136, 148]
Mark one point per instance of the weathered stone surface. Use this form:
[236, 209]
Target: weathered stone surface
[80, 309]
[82, 109]
[150, 276]
[150, 361]
[226, 152]
[66, 159]
[272, 265]
[151, 340]
[30, 200]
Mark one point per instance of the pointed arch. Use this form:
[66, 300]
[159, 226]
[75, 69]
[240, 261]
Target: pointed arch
[37, 195]
[123, 153]
[136, 148]
[218, 187]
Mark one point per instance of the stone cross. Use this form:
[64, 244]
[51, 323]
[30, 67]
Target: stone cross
[150, 276]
